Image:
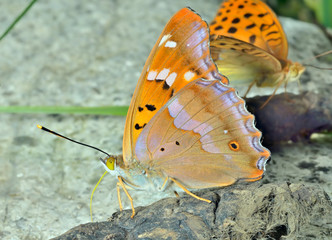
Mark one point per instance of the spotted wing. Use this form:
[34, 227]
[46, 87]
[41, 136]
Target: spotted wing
[251, 21]
[244, 63]
[180, 55]
[207, 138]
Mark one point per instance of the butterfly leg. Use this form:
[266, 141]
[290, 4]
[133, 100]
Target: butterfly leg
[299, 85]
[120, 183]
[165, 184]
[250, 86]
[188, 192]
[119, 196]
[274, 92]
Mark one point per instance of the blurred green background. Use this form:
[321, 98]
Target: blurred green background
[315, 11]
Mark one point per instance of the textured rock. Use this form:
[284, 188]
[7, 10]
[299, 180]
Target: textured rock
[268, 211]
[292, 117]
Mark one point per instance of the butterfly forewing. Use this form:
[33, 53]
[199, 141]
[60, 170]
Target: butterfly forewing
[251, 21]
[207, 138]
[180, 56]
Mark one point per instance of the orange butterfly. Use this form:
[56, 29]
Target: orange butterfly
[249, 45]
[185, 128]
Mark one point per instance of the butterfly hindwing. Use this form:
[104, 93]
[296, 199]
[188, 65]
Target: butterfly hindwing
[207, 138]
[180, 56]
[244, 62]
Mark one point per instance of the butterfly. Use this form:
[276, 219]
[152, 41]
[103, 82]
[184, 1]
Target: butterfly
[250, 47]
[185, 127]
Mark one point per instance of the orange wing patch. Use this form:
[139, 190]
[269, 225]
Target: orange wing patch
[251, 21]
[180, 56]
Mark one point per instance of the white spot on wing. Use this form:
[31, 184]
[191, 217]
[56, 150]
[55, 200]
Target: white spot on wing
[175, 107]
[225, 131]
[171, 78]
[189, 75]
[151, 75]
[164, 38]
[163, 74]
[170, 44]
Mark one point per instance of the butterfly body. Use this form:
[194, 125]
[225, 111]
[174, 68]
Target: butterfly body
[249, 45]
[185, 127]
[138, 176]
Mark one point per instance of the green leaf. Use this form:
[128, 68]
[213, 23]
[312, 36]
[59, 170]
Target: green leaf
[106, 110]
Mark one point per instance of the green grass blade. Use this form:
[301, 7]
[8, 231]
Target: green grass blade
[18, 18]
[106, 110]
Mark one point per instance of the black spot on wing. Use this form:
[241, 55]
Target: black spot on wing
[140, 109]
[262, 14]
[247, 15]
[138, 127]
[270, 33]
[236, 20]
[252, 39]
[172, 92]
[150, 107]
[166, 86]
[232, 30]
[251, 26]
[218, 27]
[264, 26]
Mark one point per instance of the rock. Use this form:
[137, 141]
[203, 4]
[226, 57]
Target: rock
[290, 117]
[270, 211]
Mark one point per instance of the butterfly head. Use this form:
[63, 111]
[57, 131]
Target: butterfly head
[112, 163]
[295, 71]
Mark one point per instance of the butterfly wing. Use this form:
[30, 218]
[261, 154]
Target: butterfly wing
[244, 63]
[251, 21]
[207, 138]
[180, 55]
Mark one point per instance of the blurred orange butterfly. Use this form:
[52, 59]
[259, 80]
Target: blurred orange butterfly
[185, 128]
[249, 45]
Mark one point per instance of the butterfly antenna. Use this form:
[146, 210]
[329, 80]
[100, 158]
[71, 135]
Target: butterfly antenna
[86, 145]
[321, 68]
[317, 56]
[59, 135]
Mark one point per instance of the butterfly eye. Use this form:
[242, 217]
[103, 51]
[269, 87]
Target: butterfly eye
[234, 145]
[110, 162]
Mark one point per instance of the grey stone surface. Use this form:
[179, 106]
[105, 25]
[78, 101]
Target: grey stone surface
[270, 211]
[90, 53]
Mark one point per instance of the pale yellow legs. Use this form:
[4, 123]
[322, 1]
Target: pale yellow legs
[188, 192]
[120, 183]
